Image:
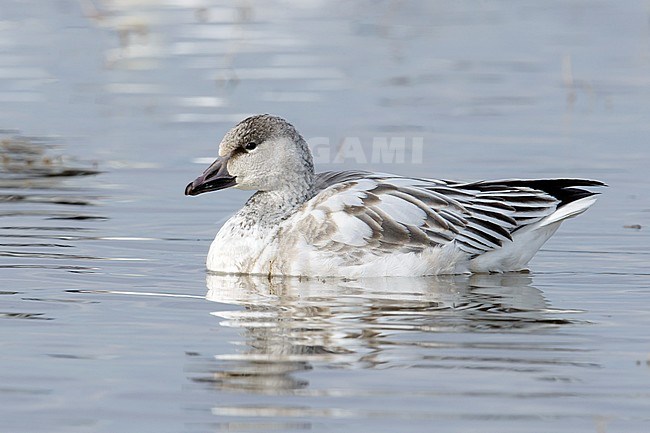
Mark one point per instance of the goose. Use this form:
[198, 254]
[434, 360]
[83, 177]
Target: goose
[356, 224]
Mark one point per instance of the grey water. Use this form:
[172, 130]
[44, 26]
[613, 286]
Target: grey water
[108, 319]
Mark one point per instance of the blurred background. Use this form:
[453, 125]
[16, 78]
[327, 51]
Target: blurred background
[161, 81]
[108, 108]
[144, 90]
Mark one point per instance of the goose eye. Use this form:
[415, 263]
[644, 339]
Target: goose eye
[250, 146]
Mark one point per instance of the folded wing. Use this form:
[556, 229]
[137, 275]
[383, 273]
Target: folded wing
[358, 213]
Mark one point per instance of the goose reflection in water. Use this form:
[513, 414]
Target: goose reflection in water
[291, 325]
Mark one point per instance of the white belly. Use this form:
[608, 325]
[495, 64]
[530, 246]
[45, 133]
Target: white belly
[238, 251]
[252, 251]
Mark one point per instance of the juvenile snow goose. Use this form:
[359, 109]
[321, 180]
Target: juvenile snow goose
[360, 224]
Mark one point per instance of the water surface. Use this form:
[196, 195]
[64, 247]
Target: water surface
[109, 320]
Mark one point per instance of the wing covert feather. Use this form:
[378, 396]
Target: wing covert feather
[360, 212]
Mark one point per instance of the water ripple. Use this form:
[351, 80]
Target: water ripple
[291, 325]
[37, 185]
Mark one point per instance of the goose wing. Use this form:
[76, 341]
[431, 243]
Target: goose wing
[357, 212]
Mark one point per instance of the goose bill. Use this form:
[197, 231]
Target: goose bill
[216, 177]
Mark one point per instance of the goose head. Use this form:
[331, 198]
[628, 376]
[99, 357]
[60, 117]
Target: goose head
[261, 153]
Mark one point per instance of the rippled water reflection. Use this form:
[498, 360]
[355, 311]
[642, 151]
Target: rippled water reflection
[363, 324]
[111, 107]
[41, 212]
[452, 348]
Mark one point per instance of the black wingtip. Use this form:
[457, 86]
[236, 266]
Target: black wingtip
[566, 190]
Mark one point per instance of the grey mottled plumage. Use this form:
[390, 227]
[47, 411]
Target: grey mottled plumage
[357, 223]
